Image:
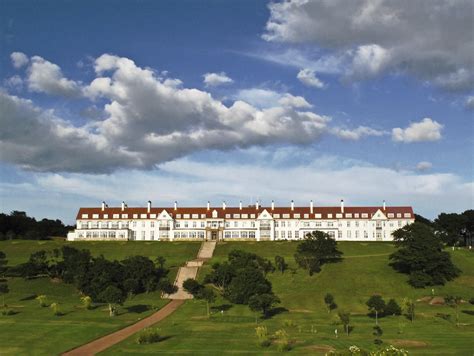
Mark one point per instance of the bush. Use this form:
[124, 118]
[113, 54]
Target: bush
[56, 309]
[87, 302]
[282, 341]
[471, 300]
[262, 336]
[42, 300]
[148, 336]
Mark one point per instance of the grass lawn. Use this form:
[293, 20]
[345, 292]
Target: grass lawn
[363, 272]
[36, 331]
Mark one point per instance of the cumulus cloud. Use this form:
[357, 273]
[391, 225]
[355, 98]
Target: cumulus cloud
[424, 166]
[470, 102]
[384, 35]
[357, 133]
[266, 98]
[46, 77]
[308, 77]
[19, 59]
[215, 79]
[14, 82]
[425, 130]
[146, 120]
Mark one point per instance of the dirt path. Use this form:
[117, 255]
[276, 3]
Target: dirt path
[107, 341]
[177, 299]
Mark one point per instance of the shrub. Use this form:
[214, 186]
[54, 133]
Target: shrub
[471, 300]
[42, 300]
[56, 309]
[6, 312]
[283, 343]
[87, 302]
[262, 336]
[148, 336]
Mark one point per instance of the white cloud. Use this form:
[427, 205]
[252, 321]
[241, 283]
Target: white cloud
[46, 77]
[146, 120]
[357, 133]
[424, 166]
[266, 98]
[215, 79]
[308, 77]
[193, 182]
[470, 102]
[14, 82]
[425, 130]
[19, 59]
[369, 61]
[389, 33]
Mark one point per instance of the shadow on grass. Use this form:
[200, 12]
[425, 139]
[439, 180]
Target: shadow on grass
[138, 309]
[218, 308]
[274, 311]
[468, 312]
[30, 297]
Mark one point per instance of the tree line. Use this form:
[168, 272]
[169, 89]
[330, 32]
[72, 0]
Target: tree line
[18, 225]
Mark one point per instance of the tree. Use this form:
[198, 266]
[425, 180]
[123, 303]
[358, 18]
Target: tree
[454, 302]
[409, 308]
[192, 286]
[423, 220]
[263, 302]
[392, 308]
[112, 295]
[3, 283]
[160, 260]
[280, 264]
[221, 275]
[376, 306]
[248, 282]
[208, 295]
[420, 255]
[450, 227]
[329, 301]
[345, 319]
[317, 249]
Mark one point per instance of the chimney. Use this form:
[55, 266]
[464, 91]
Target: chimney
[223, 205]
[273, 205]
[311, 206]
[256, 204]
[208, 205]
[292, 205]
[175, 205]
[103, 205]
[123, 206]
[384, 206]
[240, 205]
[148, 206]
[342, 205]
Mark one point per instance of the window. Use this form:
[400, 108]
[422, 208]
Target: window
[339, 216]
[135, 216]
[227, 216]
[116, 216]
[357, 224]
[177, 224]
[348, 234]
[143, 223]
[186, 216]
[134, 224]
[227, 224]
[286, 216]
[339, 234]
[153, 216]
[194, 223]
[195, 216]
[203, 224]
[317, 216]
[152, 234]
[186, 224]
[236, 216]
[406, 215]
[348, 224]
[106, 216]
[178, 216]
[329, 216]
[290, 234]
[85, 216]
[143, 235]
[348, 215]
[306, 216]
[283, 224]
[330, 224]
[331, 234]
[390, 215]
[366, 234]
[143, 216]
[244, 234]
[365, 215]
[227, 234]
[236, 223]
[124, 216]
[283, 234]
[296, 216]
[152, 223]
[252, 234]
[176, 235]
[276, 216]
[357, 234]
[318, 223]
[95, 216]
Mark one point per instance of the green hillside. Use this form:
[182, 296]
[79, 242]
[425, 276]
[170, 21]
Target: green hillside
[363, 272]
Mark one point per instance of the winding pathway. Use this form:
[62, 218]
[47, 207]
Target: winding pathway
[177, 299]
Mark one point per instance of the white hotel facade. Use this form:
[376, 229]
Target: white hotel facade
[255, 222]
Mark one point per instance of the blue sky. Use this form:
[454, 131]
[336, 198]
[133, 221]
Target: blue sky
[216, 100]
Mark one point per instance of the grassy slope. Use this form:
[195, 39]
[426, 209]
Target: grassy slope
[363, 272]
[34, 330]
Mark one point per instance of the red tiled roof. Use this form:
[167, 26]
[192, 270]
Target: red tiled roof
[221, 213]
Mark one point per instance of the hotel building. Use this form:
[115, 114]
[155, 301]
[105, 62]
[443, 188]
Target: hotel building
[255, 222]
